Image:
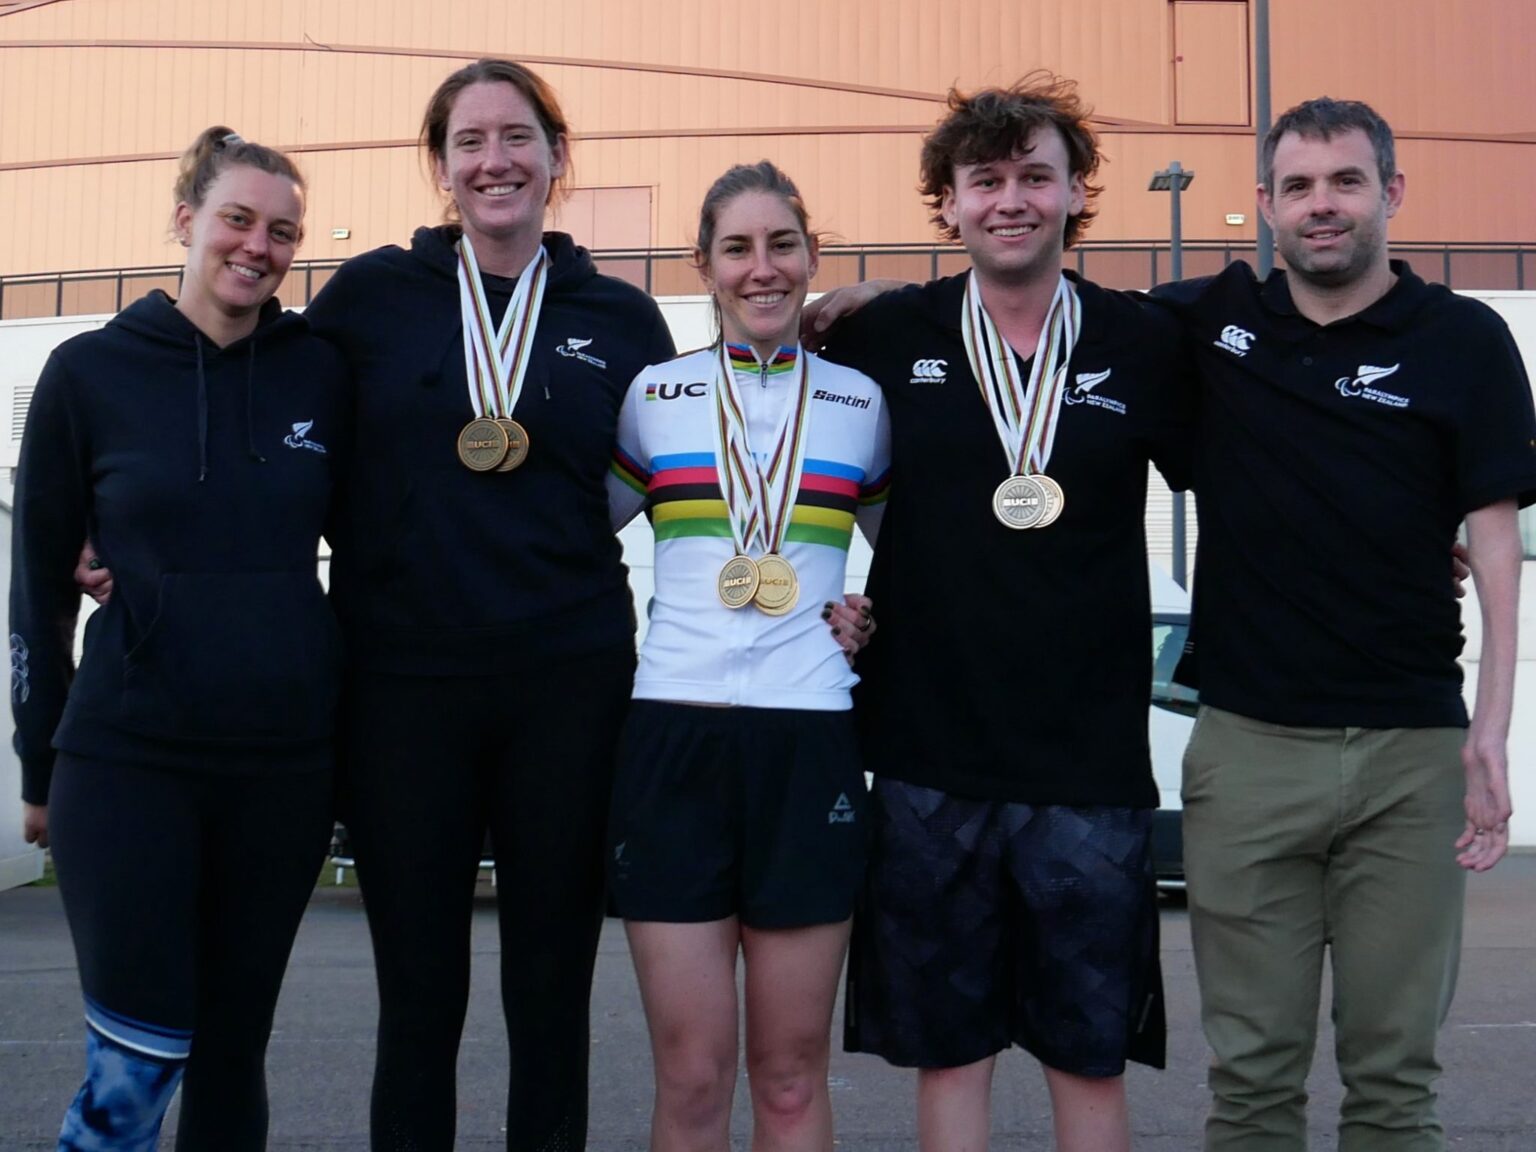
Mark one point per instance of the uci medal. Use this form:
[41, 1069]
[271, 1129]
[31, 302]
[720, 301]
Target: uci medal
[1055, 499]
[482, 445]
[738, 581]
[517, 443]
[778, 588]
[1020, 502]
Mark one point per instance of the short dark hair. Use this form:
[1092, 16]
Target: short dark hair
[998, 123]
[1323, 119]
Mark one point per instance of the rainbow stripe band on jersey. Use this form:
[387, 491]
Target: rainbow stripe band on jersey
[685, 497]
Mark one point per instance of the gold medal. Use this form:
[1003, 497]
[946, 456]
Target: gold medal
[1020, 502]
[483, 445]
[778, 588]
[738, 582]
[1055, 499]
[517, 443]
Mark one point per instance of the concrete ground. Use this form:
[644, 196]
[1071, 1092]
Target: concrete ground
[322, 1048]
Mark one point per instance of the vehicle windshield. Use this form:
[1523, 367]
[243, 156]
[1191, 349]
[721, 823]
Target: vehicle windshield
[1168, 636]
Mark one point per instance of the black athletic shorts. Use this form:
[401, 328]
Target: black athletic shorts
[985, 923]
[749, 812]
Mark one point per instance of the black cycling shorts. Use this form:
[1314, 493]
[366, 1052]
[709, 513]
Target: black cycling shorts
[750, 812]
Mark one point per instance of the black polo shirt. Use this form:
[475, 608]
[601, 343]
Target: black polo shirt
[1336, 463]
[1016, 664]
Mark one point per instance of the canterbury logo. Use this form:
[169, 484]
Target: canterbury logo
[297, 438]
[21, 672]
[1235, 340]
[926, 371]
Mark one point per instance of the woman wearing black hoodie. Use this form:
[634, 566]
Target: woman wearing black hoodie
[183, 774]
[488, 620]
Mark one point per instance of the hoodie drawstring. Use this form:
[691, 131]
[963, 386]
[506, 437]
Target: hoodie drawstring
[202, 411]
[202, 414]
[250, 407]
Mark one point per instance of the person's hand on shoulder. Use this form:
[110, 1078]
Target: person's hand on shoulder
[818, 316]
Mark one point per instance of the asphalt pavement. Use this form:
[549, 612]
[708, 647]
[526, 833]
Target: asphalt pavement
[322, 1046]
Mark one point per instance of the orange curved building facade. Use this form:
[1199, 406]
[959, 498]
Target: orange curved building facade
[97, 98]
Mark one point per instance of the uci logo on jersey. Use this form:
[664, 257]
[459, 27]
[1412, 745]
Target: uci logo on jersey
[676, 390]
[930, 371]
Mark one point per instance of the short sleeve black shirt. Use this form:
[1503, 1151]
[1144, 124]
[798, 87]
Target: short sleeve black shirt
[1011, 664]
[1336, 463]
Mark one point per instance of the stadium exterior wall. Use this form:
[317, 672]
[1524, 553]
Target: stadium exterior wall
[97, 97]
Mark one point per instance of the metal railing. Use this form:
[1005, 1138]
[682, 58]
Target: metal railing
[668, 271]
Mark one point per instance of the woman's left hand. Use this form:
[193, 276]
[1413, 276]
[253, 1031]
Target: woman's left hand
[34, 824]
[852, 623]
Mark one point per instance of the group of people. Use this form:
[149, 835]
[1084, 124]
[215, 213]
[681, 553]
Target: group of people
[469, 421]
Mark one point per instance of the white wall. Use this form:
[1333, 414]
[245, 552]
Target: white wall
[24, 345]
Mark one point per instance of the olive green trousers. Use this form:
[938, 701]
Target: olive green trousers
[1306, 842]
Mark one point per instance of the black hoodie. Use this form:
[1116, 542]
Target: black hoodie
[440, 571]
[203, 477]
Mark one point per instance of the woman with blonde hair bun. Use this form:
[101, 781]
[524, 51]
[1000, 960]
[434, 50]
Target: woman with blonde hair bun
[182, 776]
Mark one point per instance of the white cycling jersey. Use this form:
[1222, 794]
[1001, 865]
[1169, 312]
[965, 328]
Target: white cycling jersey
[697, 650]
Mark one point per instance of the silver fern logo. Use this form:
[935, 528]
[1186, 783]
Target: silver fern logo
[298, 438]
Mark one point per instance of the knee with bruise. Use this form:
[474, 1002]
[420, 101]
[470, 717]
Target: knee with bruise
[123, 1101]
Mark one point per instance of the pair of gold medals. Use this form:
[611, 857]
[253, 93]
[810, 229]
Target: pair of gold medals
[493, 444]
[769, 583]
[1033, 501]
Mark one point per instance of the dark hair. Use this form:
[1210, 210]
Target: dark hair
[999, 123]
[764, 176]
[1323, 119]
[489, 70]
[217, 149]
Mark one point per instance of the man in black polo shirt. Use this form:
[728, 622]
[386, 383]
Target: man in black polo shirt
[1005, 703]
[1352, 416]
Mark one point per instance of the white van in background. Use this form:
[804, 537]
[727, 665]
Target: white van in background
[1169, 723]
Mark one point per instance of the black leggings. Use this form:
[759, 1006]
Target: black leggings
[184, 892]
[433, 763]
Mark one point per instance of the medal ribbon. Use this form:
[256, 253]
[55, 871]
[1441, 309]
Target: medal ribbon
[760, 502]
[1025, 414]
[496, 359]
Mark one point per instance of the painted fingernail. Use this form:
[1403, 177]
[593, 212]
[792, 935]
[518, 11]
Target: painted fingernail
[826, 613]
[837, 631]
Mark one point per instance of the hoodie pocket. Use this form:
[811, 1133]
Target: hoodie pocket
[236, 657]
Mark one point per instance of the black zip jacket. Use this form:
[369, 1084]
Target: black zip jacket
[203, 477]
[440, 571]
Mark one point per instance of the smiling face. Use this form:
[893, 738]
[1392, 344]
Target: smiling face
[1329, 208]
[758, 268]
[498, 165]
[1012, 214]
[240, 243]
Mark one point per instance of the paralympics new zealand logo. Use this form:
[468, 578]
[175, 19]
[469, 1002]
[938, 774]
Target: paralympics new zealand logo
[298, 438]
[572, 350]
[1363, 385]
[1083, 392]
